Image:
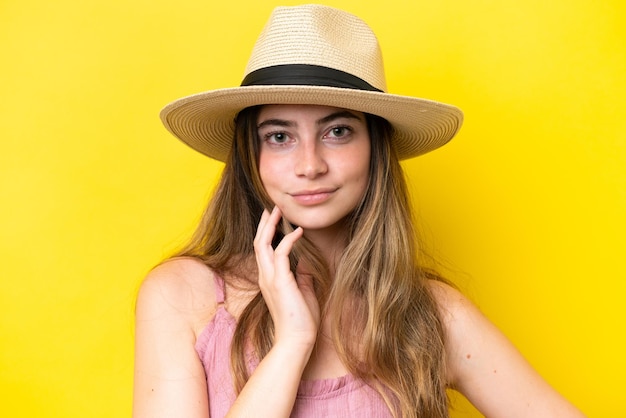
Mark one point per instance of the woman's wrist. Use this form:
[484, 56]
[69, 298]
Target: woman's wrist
[296, 351]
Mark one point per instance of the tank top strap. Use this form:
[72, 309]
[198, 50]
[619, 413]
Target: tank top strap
[219, 289]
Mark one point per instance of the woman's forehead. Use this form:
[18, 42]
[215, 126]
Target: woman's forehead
[305, 111]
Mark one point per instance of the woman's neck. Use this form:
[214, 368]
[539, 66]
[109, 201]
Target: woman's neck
[331, 243]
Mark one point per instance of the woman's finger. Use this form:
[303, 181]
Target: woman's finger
[274, 266]
[282, 251]
[262, 249]
[261, 226]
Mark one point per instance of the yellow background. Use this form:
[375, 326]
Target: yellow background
[526, 207]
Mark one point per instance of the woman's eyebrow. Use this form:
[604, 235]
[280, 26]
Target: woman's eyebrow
[338, 115]
[326, 119]
[275, 122]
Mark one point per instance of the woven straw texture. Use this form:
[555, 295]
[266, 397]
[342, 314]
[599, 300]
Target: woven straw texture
[322, 36]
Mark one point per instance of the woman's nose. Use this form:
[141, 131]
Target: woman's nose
[310, 159]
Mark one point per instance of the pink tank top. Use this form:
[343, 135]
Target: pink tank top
[345, 396]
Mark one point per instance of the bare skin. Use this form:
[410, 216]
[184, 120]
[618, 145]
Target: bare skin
[177, 298]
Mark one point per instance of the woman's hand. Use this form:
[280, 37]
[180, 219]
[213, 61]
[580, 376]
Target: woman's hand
[291, 301]
[296, 314]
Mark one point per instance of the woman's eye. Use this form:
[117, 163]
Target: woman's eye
[277, 137]
[339, 132]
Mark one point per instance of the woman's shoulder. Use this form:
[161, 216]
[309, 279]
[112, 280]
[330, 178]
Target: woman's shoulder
[181, 289]
[180, 280]
[465, 327]
[451, 302]
[464, 323]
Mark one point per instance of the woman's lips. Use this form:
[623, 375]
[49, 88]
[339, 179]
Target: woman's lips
[312, 197]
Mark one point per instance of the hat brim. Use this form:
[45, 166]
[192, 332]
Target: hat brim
[205, 121]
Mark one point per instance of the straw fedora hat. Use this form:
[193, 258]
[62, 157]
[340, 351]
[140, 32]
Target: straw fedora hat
[316, 55]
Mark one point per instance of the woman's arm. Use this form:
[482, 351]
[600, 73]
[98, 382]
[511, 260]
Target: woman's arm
[271, 390]
[176, 297]
[485, 367]
[169, 377]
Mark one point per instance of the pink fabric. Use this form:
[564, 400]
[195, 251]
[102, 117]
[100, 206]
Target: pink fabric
[345, 396]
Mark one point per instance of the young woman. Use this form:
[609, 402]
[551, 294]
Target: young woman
[301, 292]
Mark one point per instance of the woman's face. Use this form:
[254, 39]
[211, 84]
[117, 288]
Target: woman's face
[314, 161]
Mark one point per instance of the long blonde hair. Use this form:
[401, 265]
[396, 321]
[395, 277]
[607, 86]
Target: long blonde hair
[378, 282]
